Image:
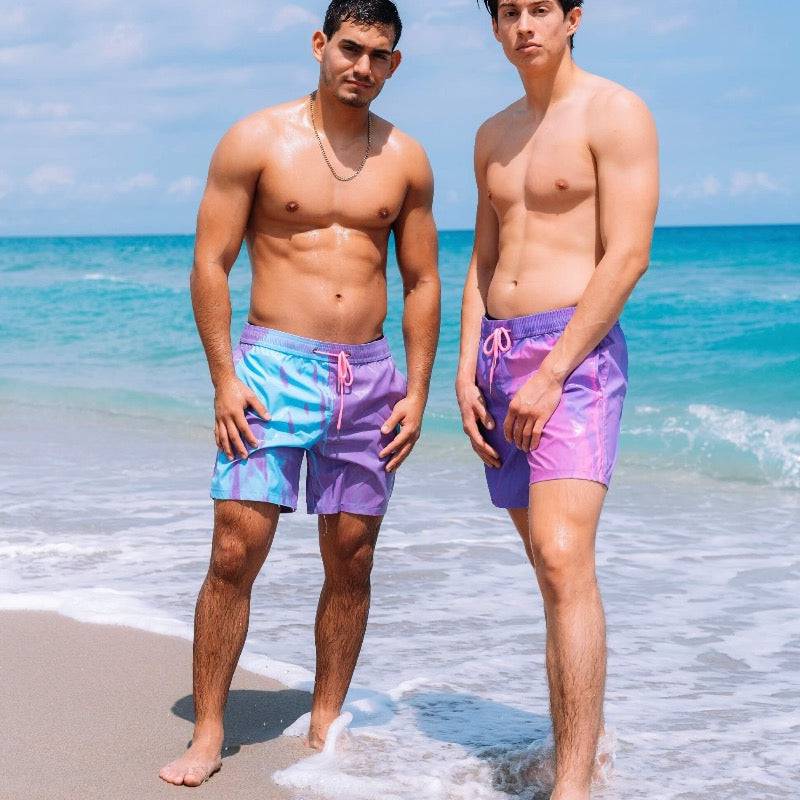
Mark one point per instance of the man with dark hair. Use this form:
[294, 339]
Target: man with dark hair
[567, 193]
[314, 186]
[566, 7]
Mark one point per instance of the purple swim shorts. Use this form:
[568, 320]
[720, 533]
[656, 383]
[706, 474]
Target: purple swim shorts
[327, 401]
[580, 439]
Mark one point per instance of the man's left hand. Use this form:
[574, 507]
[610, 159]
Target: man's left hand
[407, 413]
[530, 409]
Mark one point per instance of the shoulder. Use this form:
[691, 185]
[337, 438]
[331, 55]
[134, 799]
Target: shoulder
[612, 109]
[404, 149]
[396, 141]
[248, 137]
[493, 129]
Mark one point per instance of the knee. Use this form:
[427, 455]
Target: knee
[351, 568]
[231, 561]
[565, 574]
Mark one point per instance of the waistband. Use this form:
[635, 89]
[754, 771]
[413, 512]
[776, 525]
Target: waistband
[312, 348]
[531, 325]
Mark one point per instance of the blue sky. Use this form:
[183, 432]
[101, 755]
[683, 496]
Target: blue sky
[109, 110]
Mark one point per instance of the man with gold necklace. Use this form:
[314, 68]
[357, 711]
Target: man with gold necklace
[314, 186]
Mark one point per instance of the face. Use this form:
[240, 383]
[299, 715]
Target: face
[534, 32]
[355, 62]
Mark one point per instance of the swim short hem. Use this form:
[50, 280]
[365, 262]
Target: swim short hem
[285, 507]
[568, 475]
[348, 508]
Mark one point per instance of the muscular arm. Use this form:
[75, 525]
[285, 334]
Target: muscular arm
[625, 146]
[417, 253]
[416, 247]
[479, 274]
[623, 139]
[221, 223]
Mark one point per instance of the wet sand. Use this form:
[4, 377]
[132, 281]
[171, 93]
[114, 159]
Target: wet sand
[94, 711]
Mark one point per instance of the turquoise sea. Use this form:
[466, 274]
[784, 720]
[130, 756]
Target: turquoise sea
[713, 330]
[105, 420]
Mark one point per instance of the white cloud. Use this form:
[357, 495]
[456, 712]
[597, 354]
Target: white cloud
[673, 24]
[142, 180]
[740, 93]
[125, 42]
[122, 43]
[184, 187]
[5, 185]
[50, 177]
[290, 15]
[46, 110]
[709, 186]
[751, 182]
[13, 20]
[17, 55]
[740, 183]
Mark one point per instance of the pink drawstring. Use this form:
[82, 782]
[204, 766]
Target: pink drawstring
[498, 341]
[344, 379]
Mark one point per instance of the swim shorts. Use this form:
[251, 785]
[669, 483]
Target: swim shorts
[580, 439]
[327, 401]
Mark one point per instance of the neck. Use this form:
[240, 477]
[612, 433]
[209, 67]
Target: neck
[337, 118]
[543, 88]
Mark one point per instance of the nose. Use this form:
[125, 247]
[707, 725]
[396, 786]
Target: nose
[525, 24]
[363, 66]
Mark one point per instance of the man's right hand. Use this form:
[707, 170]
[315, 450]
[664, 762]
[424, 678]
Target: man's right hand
[232, 399]
[473, 410]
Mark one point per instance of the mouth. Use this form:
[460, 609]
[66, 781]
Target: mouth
[529, 47]
[360, 84]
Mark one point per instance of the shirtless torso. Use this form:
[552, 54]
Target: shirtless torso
[567, 182]
[541, 183]
[317, 245]
[312, 377]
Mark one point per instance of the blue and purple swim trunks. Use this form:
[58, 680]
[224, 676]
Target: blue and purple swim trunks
[327, 401]
[580, 439]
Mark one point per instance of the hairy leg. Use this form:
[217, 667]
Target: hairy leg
[347, 543]
[243, 534]
[560, 541]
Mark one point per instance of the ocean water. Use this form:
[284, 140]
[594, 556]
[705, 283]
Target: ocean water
[105, 412]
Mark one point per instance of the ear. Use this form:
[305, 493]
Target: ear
[397, 57]
[318, 42]
[494, 29]
[574, 20]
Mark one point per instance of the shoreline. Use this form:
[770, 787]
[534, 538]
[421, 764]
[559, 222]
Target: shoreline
[92, 711]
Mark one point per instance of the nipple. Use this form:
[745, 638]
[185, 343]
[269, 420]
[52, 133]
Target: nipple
[292, 206]
[383, 213]
[562, 185]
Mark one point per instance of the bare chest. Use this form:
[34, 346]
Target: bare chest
[552, 171]
[299, 190]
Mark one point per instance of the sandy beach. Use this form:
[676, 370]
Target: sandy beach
[93, 711]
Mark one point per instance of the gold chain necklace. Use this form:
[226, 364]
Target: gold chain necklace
[322, 148]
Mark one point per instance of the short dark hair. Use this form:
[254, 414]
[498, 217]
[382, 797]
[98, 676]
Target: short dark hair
[566, 7]
[363, 12]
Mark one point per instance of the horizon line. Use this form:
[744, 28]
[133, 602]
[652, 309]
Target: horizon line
[441, 230]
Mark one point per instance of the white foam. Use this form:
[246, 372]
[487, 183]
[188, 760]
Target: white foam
[774, 443]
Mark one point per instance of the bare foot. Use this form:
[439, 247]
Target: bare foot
[194, 767]
[318, 729]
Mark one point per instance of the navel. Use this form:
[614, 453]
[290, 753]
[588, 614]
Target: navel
[562, 185]
[338, 296]
[292, 206]
[383, 213]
